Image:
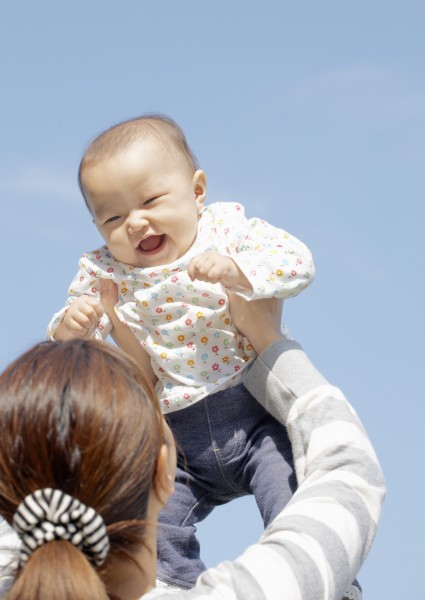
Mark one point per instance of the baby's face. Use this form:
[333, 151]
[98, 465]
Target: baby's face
[145, 203]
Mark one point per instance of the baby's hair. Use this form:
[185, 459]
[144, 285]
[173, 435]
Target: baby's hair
[121, 136]
[78, 416]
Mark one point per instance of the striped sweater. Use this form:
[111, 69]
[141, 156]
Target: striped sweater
[315, 547]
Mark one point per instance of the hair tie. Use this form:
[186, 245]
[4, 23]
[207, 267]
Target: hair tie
[49, 514]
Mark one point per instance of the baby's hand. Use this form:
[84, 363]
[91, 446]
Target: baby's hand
[214, 267]
[79, 319]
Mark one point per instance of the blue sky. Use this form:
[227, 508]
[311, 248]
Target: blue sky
[312, 114]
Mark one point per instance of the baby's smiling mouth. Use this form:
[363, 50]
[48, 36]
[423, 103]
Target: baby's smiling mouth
[151, 244]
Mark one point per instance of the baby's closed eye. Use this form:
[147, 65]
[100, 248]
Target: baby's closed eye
[111, 219]
[150, 200]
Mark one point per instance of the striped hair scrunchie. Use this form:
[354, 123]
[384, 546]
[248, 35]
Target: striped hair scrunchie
[50, 514]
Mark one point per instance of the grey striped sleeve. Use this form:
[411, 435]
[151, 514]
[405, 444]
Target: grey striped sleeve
[328, 439]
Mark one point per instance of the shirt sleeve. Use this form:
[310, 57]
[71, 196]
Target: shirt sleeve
[275, 262]
[317, 544]
[85, 283]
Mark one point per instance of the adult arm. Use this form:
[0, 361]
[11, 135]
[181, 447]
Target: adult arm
[122, 334]
[260, 321]
[329, 525]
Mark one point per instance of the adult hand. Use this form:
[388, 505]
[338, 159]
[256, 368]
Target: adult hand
[122, 334]
[108, 296]
[258, 320]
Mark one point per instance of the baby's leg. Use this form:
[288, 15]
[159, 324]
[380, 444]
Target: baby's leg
[221, 438]
[179, 563]
[200, 486]
[269, 469]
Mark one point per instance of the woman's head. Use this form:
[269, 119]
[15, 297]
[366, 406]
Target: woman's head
[78, 416]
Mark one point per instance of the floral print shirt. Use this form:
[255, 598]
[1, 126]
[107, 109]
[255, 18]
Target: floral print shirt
[186, 326]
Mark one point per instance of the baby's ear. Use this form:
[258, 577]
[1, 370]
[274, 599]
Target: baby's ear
[199, 184]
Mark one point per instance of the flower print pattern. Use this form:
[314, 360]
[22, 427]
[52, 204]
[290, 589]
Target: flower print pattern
[186, 326]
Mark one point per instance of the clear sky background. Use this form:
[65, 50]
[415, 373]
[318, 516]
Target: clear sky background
[312, 114]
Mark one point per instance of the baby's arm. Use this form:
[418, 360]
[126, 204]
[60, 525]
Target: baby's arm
[80, 318]
[218, 268]
[90, 312]
[258, 259]
[83, 314]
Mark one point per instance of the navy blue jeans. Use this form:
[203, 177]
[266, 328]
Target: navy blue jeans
[228, 447]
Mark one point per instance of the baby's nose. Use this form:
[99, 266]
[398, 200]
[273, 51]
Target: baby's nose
[137, 221]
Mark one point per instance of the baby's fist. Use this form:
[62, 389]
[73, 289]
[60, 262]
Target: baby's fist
[79, 319]
[214, 267]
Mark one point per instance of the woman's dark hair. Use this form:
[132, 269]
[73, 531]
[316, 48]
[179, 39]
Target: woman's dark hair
[78, 416]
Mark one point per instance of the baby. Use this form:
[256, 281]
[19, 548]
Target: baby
[173, 259]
